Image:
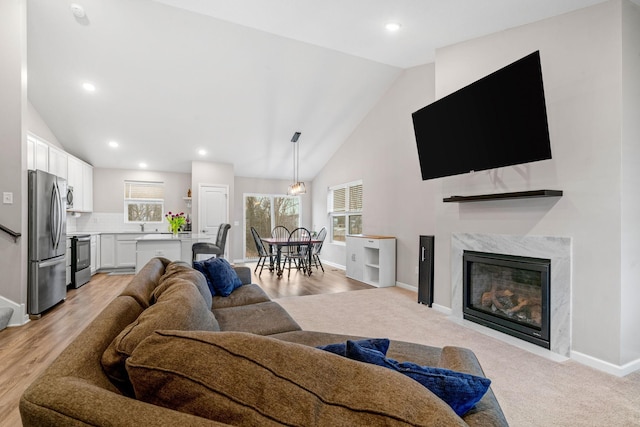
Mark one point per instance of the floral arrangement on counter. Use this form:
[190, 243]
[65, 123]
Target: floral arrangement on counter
[175, 221]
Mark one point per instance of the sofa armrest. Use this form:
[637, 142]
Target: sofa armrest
[244, 273]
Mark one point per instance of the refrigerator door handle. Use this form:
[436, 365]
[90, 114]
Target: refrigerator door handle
[53, 223]
[51, 262]
[56, 226]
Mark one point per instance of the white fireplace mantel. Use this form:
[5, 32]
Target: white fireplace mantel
[557, 249]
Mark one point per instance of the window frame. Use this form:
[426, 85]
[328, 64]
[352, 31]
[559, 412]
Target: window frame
[132, 201]
[272, 197]
[346, 211]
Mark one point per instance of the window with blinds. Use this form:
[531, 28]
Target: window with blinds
[143, 201]
[345, 210]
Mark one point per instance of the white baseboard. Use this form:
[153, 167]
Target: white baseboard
[333, 264]
[19, 316]
[442, 309]
[601, 365]
[406, 286]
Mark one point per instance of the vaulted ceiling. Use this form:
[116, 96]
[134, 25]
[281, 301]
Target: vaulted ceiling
[236, 77]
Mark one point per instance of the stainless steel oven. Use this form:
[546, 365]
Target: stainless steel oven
[80, 260]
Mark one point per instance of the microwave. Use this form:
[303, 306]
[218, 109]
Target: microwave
[69, 197]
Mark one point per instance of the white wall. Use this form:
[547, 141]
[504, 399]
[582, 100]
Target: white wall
[38, 127]
[581, 64]
[382, 152]
[108, 199]
[13, 163]
[215, 174]
[592, 128]
[108, 188]
[263, 186]
[630, 315]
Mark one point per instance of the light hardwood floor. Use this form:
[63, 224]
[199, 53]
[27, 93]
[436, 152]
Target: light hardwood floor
[25, 351]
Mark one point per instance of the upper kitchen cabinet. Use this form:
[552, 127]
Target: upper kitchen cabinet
[37, 154]
[79, 175]
[80, 178]
[58, 162]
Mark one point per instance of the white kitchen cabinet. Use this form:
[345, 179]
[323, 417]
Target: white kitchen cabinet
[37, 154]
[185, 252]
[57, 162]
[31, 153]
[148, 249]
[80, 177]
[42, 156]
[126, 250]
[95, 253]
[371, 259]
[87, 187]
[107, 251]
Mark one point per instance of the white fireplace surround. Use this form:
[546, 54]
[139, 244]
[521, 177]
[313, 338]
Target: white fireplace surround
[557, 249]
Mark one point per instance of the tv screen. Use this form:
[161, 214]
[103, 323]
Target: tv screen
[499, 120]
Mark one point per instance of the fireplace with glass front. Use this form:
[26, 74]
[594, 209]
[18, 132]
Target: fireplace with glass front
[508, 293]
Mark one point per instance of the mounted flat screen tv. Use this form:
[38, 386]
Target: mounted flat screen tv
[499, 120]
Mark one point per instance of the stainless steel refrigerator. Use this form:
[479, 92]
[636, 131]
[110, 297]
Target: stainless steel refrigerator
[47, 241]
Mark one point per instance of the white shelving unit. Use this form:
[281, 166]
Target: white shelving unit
[371, 259]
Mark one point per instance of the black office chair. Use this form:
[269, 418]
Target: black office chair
[214, 249]
[263, 254]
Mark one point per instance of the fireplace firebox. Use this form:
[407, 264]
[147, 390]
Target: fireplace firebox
[509, 294]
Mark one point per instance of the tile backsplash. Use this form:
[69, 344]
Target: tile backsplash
[107, 223]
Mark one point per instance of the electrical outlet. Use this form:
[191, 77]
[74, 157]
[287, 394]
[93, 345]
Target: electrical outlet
[7, 198]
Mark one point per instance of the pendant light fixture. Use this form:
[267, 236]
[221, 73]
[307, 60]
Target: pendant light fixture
[297, 187]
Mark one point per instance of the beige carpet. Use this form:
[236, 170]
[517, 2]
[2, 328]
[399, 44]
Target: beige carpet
[532, 390]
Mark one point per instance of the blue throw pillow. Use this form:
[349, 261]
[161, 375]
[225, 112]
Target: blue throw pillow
[199, 265]
[223, 277]
[379, 344]
[459, 390]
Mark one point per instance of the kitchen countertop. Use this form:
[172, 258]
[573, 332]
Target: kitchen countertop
[169, 237]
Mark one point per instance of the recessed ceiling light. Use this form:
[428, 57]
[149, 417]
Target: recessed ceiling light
[392, 26]
[89, 87]
[77, 10]
[113, 144]
[202, 152]
[142, 165]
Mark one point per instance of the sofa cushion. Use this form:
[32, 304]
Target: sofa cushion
[180, 306]
[142, 285]
[378, 344]
[245, 379]
[264, 318]
[244, 295]
[461, 391]
[179, 270]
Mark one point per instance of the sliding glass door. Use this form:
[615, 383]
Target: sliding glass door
[264, 212]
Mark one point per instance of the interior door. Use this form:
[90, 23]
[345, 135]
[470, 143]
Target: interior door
[213, 208]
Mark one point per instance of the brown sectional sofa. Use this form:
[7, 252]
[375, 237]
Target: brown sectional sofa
[196, 360]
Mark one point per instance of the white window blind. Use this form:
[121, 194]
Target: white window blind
[141, 190]
[143, 201]
[345, 209]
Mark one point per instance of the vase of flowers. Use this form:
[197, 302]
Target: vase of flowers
[175, 221]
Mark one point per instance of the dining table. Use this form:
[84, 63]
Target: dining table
[281, 242]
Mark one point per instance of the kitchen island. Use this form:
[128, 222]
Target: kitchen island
[168, 246]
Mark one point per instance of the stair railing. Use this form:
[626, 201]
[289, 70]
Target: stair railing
[10, 232]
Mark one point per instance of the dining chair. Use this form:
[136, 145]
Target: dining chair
[298, 253]
[216, 249]
[280, 232]
[317, 247]
[262, 251]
